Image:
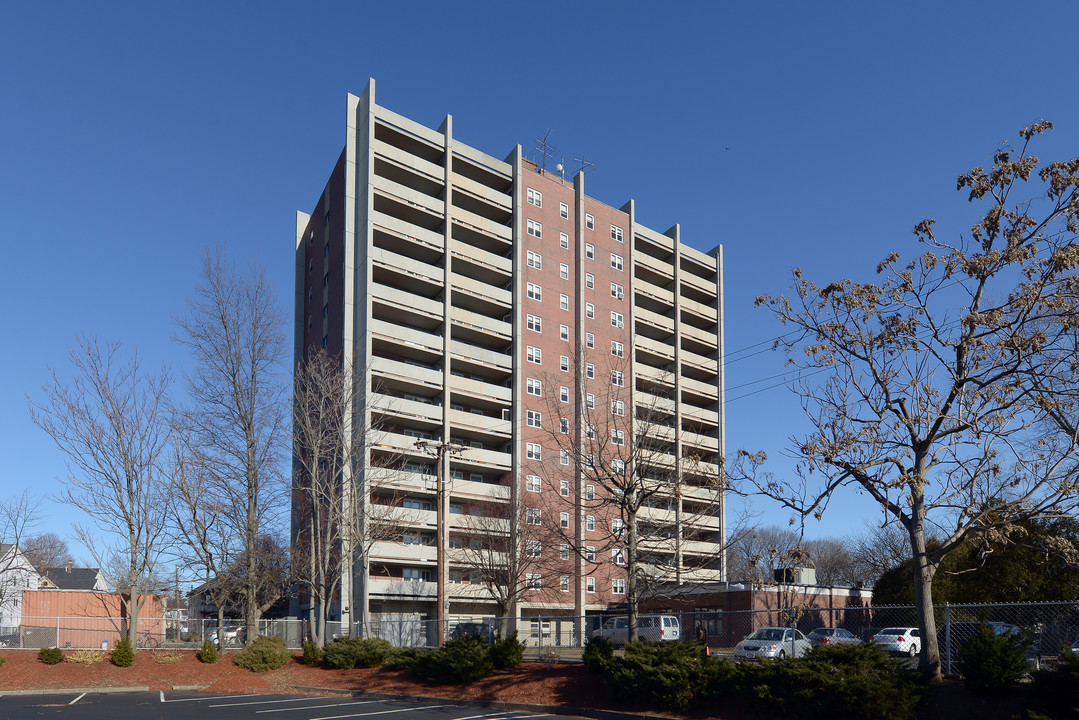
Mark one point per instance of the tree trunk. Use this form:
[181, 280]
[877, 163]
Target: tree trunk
[631, 573]
[924, 570]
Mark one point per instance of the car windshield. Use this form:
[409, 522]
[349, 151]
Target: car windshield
[767, 634]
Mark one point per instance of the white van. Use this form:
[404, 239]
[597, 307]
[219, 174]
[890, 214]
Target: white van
[649, 627]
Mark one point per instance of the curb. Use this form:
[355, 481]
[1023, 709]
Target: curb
[70, 691]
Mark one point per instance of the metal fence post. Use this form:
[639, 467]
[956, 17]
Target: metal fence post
[948, 634]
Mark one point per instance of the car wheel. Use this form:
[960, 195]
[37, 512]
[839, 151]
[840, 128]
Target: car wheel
[912, 650]
[782, 655]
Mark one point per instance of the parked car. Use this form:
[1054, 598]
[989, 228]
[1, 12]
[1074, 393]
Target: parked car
[834, 636]
[773, 642]
[899, 640]
[649, 627]
[480, 629]
[233, 636]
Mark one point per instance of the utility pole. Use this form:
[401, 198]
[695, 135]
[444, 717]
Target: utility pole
[440, 450]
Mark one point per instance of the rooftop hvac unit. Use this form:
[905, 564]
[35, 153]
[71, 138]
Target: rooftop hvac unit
[796, 576]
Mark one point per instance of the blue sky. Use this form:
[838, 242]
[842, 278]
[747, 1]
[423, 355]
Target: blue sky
[814, 135]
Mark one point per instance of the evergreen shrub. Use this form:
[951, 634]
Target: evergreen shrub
[461, 660]
[312, 653]
[507, 652]
[661, 674]
[264, 653]
[346, 652]
[991, 663]
[123, 655]
[208, 653]
[597, 654]
[50, 656]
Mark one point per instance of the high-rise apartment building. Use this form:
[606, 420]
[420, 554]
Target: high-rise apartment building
[516, 332]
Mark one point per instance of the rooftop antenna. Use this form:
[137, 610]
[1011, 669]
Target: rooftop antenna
[587, 166]
[544, 149]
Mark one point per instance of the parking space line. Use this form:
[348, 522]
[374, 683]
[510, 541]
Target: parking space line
[200, 699]
[317, 707]
[261, 702]
[80, 697]
[381, 712]
[507, 715]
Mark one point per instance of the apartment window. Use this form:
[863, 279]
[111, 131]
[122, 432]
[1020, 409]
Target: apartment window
[590, 401]
[563, 519]
[618, 349]
[563, 394]
[533, 548]
[563, 486]
[618, 407]
[533, 483]
[589, 492]
[534, 260]
[563, 241]
[563, 583]
[563, 457]
[590, 431]
[590, 340]
[534, 323]
[563, 210]
[590, 371]
[590, 584]
[533, 451]
[563, 271]
[589, 222]
[590, 524]
[535, 197]
[535, 229]
[589, 280]
[534, 355]
[590, 310]
[563, 304]
[618, 437]
[532, 516]
[618, 378]
[534, 418]
[616, 261]
[533, 581]
[534, 387]
[563, 362]
[616, 233]
[618, 467]
[618, 556]
[618, 586]
[563, 425]
[590, 553]
[534, 291]
[616, 526]
[617, 320]
[617, 291]
[589, 251]
[415, 574]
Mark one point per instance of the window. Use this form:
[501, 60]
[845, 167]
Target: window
[590, 401]
[589, 251]
[563, 583]
[589, 280]
[616, 526]
[590, 524]
[563, 487]
[415, 574]
[563, 394]
[534, 197]
[563, 457]
[618, 467]
[563, 303]
[534, 260]
[618, 378]
[618, 349]
[616, 261]
[534, 387]
[534, 355]
[617, 291]
[590, 431]
[563, 519]
[534, 323]
[563, 425]
[590, 310]
[563, 241]
[532, 516]
[563, 271]
[533, 548]
[618, 407]
[616, 233]
[618, 556]
[617, 320]
[618, 437]
[590, 584]
[563, 363]
[534, 418]
[590, 371]
[618, 586]
[589, 492]
[533, 483]
[535, 229]
[533, 451]
[590, 340]
[533, 581]
[590, 554]
[563, 209]
[534, 291]
[589, 221]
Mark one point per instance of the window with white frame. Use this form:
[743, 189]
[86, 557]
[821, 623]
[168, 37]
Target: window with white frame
[589, 251]
[590, 401]
[563, 271]
[590, 523]
[616, 261]
[563, 519]
[618, 556]
[618, 437]
[563, 425]
[563, 210]
[533, 581]
[533, 548]
[616, 233]
[563, 394]
[590, 310]
[535, 197]
[617, 320]
[590, 431]
[563, 304]
[590, 340]
[534, 229]
[563, 241]
[589, 280]
[590, 553]
[618, 586]
[534, 260]
[590, 584]
[534, 387]
[563, 487]
[534, 418]
[563, 363]
[534, 355]
[617, 291]
[618, 349]
[563, 457]
[534, 323]
[533, 516]
[590, 370]
[563, 332]
[534, 291]
[589, 221]
[533, 451]
[618, 407]
[618, 378]
[617, 524]
[533, 483]
[589, 492]
[563, 583]
[618, 467]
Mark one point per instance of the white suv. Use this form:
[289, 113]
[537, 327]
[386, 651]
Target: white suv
[649, 627]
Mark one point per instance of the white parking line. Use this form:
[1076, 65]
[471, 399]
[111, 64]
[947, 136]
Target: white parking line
[508, 715]
[381, 712]
[262, 702]
[316, 707]
[80, 697]
[200, 699]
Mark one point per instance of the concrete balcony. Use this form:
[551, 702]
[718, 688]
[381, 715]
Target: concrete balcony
[708, 390]
[487, 458]
[700, 309]
[482, 290]
[404, 445]
[481, 390]
[481, 323]
[660, 267]
[402, 335]
[411, 409]
[401, 228]
[655, 375]
[483, 258]
[407, 266]
[710, 417]
[392, 588]
[702, 336]
[405, 372]
[661, 295]
[500, 200]
[654, 347]
[468, 490]
[668, 517]
[408, 196]
[407, 159]
[652, 402]
[482, 224]
[399, 552]
[698, 283]
[480, 423]
[698, 361]
[480, 356]
[700, 442]
[656, 320]
[406, 301]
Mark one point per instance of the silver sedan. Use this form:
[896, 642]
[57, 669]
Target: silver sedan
[773, 642]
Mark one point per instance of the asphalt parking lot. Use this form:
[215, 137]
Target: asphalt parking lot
[170, 706]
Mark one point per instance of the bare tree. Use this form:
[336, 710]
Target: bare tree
[111, 420]
[943, 390]
[759, 552]
[233, 329]
[878, 549]
[17, 571]
[47, 550]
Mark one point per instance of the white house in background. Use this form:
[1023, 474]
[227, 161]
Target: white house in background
[16, 574]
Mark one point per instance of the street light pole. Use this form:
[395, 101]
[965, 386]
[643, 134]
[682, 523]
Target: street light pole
[440, 450]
